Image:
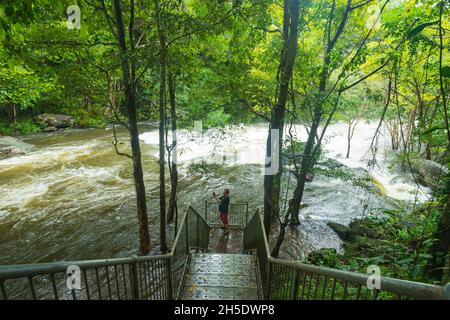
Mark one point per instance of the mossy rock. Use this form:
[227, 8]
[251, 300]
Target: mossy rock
[356, 228]
[344, 232]
[361, 243]
[365, 227]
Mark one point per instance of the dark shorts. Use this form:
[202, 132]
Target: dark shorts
[224, 217]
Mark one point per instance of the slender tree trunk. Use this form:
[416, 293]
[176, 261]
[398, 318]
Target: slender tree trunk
[427, 151]
[128, 76]
[350, 133]
[349, 140]
[307, 160]
[349, 137]
[394, 136]
[428, 144]
[162, 121]
[272, 181]
[14, 113]
[174, 169]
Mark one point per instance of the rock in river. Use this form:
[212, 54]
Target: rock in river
[10, 147]
[357, 228]
[49, 120]
[429, 172]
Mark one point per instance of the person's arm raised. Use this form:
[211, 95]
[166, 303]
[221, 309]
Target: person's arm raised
[216, 198]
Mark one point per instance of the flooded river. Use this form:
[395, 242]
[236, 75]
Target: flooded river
[72, 198]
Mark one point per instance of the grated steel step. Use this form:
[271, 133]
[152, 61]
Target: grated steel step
[221, 280]
[221, 276]
[210, 258]
[208, 293]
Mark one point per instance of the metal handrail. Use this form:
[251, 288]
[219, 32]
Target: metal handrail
[401, 288]
[238, 214]
[27, 270]
[131, 277]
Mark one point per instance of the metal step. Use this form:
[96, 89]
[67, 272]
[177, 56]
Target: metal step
[207, 293]
[225, 268]
[211, 258]
[222, 280]
[221, 276]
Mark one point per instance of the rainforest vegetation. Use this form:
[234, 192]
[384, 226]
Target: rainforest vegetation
[282, 63]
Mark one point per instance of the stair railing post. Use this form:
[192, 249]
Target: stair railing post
[268, 277]
[206, 211]
[294, 288]
[169, 279]
[246, 214]
[186, 221]
[197, 236]
[134, 280]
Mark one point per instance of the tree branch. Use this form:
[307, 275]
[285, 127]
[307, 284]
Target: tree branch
[358, 5]
[115, 144]
[246, 103]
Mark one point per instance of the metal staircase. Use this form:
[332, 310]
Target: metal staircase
[214, 276]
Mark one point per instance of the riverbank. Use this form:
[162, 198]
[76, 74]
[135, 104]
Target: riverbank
[47, 122]
[397, 242]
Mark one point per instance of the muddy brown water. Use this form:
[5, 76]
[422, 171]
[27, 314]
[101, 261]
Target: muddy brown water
[72, 198]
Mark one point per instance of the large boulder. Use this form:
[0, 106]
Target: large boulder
[58, 121]
[331, 163]
[357, 228]
[429, 172]
[10, 147]
[344, 232]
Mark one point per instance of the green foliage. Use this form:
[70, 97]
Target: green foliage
[22, 87]
[26, 126]
[22, 126]
[5, 128]
[296, 147]
[204, 169]
[446, 71]
[216, 119]
[415, 31]
[361, 180]
[402, 247]
[324, 257]
[85, 118]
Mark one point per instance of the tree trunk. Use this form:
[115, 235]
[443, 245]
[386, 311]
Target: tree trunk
[307, 160]
[14, 113]
[394, 136]
[128, 77]
[351, 130]
[427, 151]
[173, 164]
[349, 138]
[272, 181]
[162, 130]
